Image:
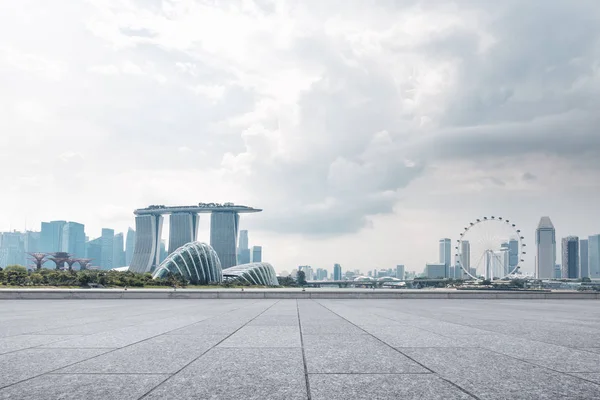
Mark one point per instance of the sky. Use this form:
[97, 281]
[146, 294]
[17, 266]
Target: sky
[366, 130]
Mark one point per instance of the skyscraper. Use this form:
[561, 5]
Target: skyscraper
[513, 255]
[129, 246]
[243, 239]
[94, 251]
[108, 236]
[183, 229]
[256, 254]
[243, 250]
[545, 239]
[321, 274]
[337, 272]
[584, 271]
[163, 254]
[465, 253]
[146, 252]
[13, 247]
[118, 253]
[400, 271]
[51, 236]
[73, 239]
[31, 242]
[570, 257]
[445, 255]
[594, 256]
[223, 236]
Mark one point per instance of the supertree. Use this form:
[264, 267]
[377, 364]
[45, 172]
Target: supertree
[70, 262]
[38, 259]
[84, 263]
[60, 258]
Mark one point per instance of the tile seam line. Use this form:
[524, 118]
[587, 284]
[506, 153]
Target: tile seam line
[491, 350]
[306, 377]
[73, 326]
[468, 326]
[107, 352]
[40, 333]
[91, 334]
[526, 361]
[410, 358]
[204, 353]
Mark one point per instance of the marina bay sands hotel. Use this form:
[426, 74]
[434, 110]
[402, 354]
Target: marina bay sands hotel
[183, 228]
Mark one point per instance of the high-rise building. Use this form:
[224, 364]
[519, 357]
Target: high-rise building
[13, 248]
[108, 236]
[51, 236]
[436, 270]
[458, 272]
[584, 271]
[31, 241]
[243, 250]
[183, 229]
[545, 239]
[513, 255]
[223, 236]
[73, 239]
[445, 255]
[465, 256]
[570, 257]
[256, 254]
[321, 274]
[94, 252]
[594, 256]
[557, 272]
[163, 254]
[129, 246]
[118, 252]
[337, 272]
[146, 253]
[243, 239]
[400, 272]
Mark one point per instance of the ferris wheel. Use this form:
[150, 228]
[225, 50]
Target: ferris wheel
[490, 248]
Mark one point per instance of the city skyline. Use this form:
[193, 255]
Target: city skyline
[383, 126]
[60, 228]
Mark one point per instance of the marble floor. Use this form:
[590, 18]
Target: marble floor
[299, 349]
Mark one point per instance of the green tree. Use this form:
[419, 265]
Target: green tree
[519, 283]
[36, 279]
[301, 278]
[286, 281]
[15, 268]
[486, 282]
[586, 279]
[16, 275]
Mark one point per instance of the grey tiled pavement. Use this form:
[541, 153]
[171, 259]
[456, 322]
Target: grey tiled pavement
[300, 349]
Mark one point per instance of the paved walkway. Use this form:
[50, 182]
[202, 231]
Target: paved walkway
[299, 349]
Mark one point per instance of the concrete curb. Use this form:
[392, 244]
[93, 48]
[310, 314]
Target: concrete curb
[81, 294]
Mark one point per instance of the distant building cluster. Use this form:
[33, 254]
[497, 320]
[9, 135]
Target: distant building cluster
[108, 251]
[337, 274]
[246, 254]
[579, 258]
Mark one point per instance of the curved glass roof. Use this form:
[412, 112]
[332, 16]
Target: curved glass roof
[260, 273]
[195, 261]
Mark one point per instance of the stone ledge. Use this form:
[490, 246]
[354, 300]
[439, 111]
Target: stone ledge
[67, 294]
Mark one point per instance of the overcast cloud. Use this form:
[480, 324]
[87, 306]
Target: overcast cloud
[366, 130]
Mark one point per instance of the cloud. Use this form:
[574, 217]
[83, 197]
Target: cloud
[331, 116]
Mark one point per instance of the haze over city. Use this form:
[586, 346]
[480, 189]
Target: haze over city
[366, 132]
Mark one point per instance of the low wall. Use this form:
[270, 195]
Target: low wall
[73, 294]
